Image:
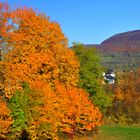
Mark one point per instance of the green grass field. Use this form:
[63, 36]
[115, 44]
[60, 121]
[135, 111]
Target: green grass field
[115, 133]
[119, 133]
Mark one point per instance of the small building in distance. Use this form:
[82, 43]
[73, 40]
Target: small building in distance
[109, 76]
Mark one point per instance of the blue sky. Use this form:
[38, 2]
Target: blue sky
[89, 21]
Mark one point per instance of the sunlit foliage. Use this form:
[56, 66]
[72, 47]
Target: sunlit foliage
[39, 79]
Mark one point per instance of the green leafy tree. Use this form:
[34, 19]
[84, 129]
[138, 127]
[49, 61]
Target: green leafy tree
[91, 75]
[20, 111]
[90, 69]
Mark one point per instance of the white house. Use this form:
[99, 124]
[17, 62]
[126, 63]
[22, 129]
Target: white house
[109, 76]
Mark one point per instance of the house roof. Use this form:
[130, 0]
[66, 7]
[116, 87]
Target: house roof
[110, 77]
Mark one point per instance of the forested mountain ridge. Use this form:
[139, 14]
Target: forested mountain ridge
[120, 51]
[123, 41]
[127, 41]
[126, 36]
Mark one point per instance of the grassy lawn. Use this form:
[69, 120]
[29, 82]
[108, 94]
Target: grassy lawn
[114, 133]
[119, 133]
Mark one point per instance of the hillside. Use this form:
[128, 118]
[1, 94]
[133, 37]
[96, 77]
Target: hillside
[127, 41]
[124, 37]
[121, 51]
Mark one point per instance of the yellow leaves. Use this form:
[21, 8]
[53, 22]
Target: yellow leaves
[32, 131]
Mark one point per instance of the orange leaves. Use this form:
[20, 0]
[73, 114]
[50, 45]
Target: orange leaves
[38, 51]
[5, 119]
[14, 75]
[81, 114]
[4, 13]
[73, 111]
[119, 93]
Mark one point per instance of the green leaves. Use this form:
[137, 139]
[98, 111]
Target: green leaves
[91, 75]
[90, 69]
[19, 107]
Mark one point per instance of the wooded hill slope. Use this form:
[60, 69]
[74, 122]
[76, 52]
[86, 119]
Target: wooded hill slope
[121, 51]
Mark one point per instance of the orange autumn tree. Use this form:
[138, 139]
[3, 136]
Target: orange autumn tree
[37, 53]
